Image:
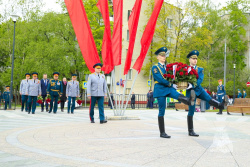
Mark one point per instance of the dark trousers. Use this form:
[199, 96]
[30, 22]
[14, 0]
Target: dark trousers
[32, 99]
[6, 105]
[73, 104]
[46, 103]
[133, 105]
[62, 104]
[100, 100]
[53, 102]
[24, 101]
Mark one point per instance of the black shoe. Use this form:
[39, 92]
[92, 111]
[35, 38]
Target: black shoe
[191, 127]
[162, 128]
[242, 114]
[92, 121]
[33, 113]
[186, 100]
[47, 110]
[42, 111]
[216, 104]
[50, 112]
[62, 110]
[219, 113]
[104, 121]
[28, 112]
[72, 113]
[228, 113]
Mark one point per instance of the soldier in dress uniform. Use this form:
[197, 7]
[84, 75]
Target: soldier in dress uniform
[97, 91]
[6, 97]
[221, 94]
[244, 93]
[199, 91]
[163, 88]
[72, 92]
[33, 90]
[23, 86]
[239, 94]
[55, 90]
[1, 96]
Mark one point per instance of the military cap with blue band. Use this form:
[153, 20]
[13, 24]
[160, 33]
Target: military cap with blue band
[163, 50]
[238, 89]
[56, 73]
[7, 86]
[97, 64]
[73, 75]
[193, 54]
[27, 74]
[244, 90]
[34, 73]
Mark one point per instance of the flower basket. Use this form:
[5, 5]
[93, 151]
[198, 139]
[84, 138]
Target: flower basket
[182, 85]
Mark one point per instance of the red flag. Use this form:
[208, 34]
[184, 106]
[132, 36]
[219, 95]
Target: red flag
[83, 32]
[117, 32]
[132, 25]
[148, 35]
[107, 56]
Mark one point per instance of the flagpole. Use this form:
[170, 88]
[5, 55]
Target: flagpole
[123, 95]
[130, 93]
[114, 91]
[110, 97]
[120, 76]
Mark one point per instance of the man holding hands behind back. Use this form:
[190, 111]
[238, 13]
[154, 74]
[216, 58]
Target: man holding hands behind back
[72, 92]
[97, 91]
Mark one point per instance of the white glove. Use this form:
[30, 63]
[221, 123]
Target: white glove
[175, 86]
[189, 86]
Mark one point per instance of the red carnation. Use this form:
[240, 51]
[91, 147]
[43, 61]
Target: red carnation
[167, 66]
[185, 70]
[178, 69]
[168, 75]
[186, 73]
[171, 69]
[191, 73]
[197, 76]
[180, 64]
[167, 69]
[181, 73]
[172, 76]
[164, 75]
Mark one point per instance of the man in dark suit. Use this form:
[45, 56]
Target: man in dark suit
[63, 97]
[109, 102]
[44, 85]
[133, 100]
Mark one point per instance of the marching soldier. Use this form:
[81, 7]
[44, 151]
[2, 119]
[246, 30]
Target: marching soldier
[244, 93]
[6, 97]
[199, 91]
[23, 86]
[97, 91]
[55, 90]
[33, 90]
[221, 93]
[239, 94]
[72, 92]
[164, 88]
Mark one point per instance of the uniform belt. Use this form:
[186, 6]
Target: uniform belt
[55, 90]
[221, 94]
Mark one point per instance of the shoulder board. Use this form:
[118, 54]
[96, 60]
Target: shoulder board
[24, 79]
[30, 79]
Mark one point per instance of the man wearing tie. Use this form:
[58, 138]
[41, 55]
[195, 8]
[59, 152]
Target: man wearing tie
[55, 90]
[33, 90]
[23, 86]
[72, 92]
[44, 85]
[97, 91]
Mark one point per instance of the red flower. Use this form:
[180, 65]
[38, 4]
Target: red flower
[167, 69]
[181, 73]
[171, 69]
[178, 69]
[185, 70]
[186, 73]
[172, 76]
[58, 102]
[168, 75]
[191, 73]
[180, 64]
[197, 76]
[164, 75]
[48, 100]
[79, 102]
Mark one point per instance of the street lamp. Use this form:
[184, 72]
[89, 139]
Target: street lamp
[14, 18]
[234, 81]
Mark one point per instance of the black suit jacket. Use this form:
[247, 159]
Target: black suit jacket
[63, 97]
[44, 87]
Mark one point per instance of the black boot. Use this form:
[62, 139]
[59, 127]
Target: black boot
[191, 126]
[162, 128]
[216, 104]
[186, 100]
[220, 112]
[228, 113]
[103, 121]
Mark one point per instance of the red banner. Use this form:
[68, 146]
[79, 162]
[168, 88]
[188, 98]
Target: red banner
[132, 25]
[83, 32]
[107, 55]
[117, 32]
[148, 35]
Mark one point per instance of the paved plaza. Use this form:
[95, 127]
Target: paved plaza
[50, 140]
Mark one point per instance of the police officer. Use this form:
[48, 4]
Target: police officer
[6, 97]
[239, 94]
[55, 89]
[33, 90]
[199, 91]
[164, 88]
[244, 93]
[97, 91]
[221, 93]
[72, 92]
[23, 86]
